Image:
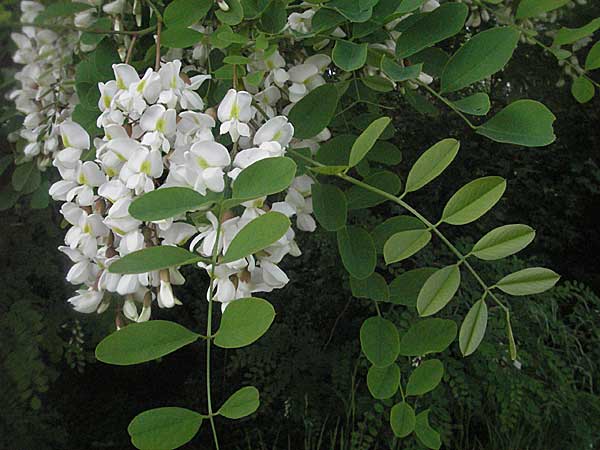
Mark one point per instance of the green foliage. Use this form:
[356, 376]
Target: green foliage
[243, 322]
[166, 428]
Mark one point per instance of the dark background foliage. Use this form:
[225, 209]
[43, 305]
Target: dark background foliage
[54, 395]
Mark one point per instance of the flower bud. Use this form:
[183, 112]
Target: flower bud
[223, 5]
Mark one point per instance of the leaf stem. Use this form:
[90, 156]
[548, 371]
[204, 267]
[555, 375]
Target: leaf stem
[211, 292]
[59, 27]
[448, 103]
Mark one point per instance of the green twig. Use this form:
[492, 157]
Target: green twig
[448, 103]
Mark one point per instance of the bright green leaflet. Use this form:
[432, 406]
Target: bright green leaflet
[503, 241]
[438, 290]
[357, 251]
[405, 244]
[569, 35]
[379, 341]
[425, 378]
[398, 73]
[180, 37]
[473, 200]
[431, 164]
[140, 342]
[235, 14]
[473, 328]
[244, 322]
[533, 280]
[359, 198]
[153, 258]
[592, 61]
[367, 139]
[241, 404]
[257, 235]
[393, 225]
[165, 428]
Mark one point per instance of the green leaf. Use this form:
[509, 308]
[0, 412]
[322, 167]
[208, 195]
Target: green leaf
[473, 328]
[244, 322]
[241, 404]
[473, 200]
[374, 287]
[165, 428]
[503, 241]
[274, 19]
[425, 434]
[379, 341]
[357, 251]
[8, 198]
[314, 112]
[353, 10]
[431, 164]
[405, 288]
[480, 57]
[21, 175]
[383, 382]
[61, 9]
[402, 419]
[236, 59]
[524, 122]
[433, 27]
[393, 225]
[385, 153]
[234, 15]
[359, 197]
[5, 162]
[533, 280]
[330, 206]
[141, 342]
[325, 19]
[512, 345]
[349, 56]
[377, 83]
[328, 170]
[183, 13]
[434, 60]
[428, 336]
[257, 235]
[477, 104]
[405, 244]
[40, 198]
[154, 258]
[264, 177]
[438, 290]
[592, 61]
[180, 37]
[533, 8]
[365, 142]
[582, 89]
[425, 378]
[570, 35]
[166, 203]
[398, 73]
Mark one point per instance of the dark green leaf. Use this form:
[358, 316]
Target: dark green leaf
[431, 164]
[367, 139]
[533, 8]
[533, 280]
[503, 241]
[357, 251]
[330, 206]
[438, 290]
[582, 89]
[404, 244]
[379, 341]
[425, 378]
[383, 382]
[477, 104]
[183, 13]
[349, 56]
[428, 336]
[393, 225]
[314, 112]
[480, 57]
[425, 434]
[167, 202]
[402, 419]
[405, 288]
[359, 197]
[180, 37]
[374, 287]
[473, 328]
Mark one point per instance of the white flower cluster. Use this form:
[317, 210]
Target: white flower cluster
[46, 95]
[156, 135]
